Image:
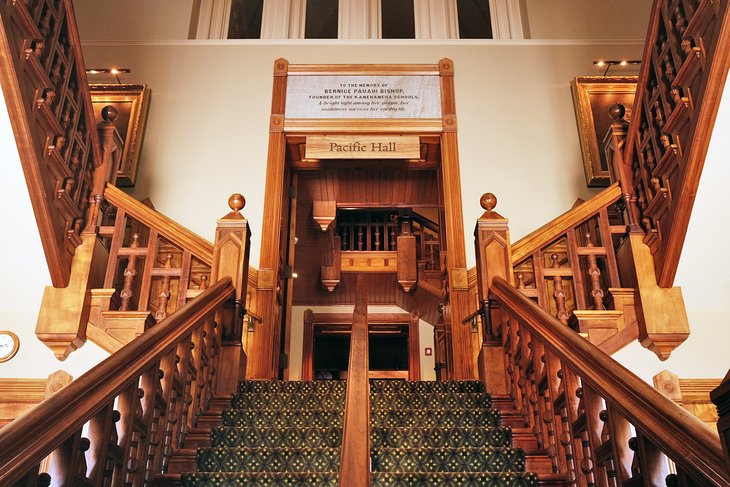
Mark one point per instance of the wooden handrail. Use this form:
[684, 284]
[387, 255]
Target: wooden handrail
[170, 229]
[682, 437]
[550, 231]
[355, 456]
[30, 438]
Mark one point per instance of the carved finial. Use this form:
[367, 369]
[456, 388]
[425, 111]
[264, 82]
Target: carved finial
[488, 201]
[616, 112]
[109, 113]
[236, 202]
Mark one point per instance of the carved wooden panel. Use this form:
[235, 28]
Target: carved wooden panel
[48, 99]
[682, 76]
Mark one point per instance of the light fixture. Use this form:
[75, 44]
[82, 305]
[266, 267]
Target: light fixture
[113, 71]
[624, 62]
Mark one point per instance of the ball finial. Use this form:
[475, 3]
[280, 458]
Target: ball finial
[616, 111]
[236, 202]
[109, 113]
[488, 201]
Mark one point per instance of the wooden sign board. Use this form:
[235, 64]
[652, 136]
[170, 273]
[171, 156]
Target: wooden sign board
[363, 147]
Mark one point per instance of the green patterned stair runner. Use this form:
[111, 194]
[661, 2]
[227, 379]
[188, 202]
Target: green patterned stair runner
[430, 433]
[422, 433]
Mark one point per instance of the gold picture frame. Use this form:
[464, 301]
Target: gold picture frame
[592, 97]
[132, 103]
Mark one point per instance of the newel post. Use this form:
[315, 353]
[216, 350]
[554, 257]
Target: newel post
[230, 259]
[494, 259]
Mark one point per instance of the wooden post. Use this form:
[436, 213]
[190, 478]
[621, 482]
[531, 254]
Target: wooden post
[494, 259]
[230, 259]
[721, 398]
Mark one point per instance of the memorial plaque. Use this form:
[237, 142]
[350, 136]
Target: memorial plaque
[363, 147]
[363, 97]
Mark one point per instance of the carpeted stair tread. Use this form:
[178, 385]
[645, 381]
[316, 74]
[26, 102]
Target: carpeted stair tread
[453, 479]
[282, 418]
[259, 479]
[227, 436]
[222, 459]
[430, 400]
[429, 418]
[503, 459]
[380, 386]
[281, 386]
[274, 400]
[437, 436]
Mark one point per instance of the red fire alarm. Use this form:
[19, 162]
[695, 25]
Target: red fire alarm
[428, 352]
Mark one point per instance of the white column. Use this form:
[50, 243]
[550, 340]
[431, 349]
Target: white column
[436, 19]
[213, 17]
[354, 19]
[283, 19]
[506, 19]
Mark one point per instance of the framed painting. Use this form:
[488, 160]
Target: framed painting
[592, 97]
[131, 101]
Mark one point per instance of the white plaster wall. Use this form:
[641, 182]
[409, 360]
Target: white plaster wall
[133, 19]
[25, 273]
[425, 337]
[588, 19]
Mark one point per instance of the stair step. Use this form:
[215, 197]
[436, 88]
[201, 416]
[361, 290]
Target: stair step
[537, 461]
[182, 460]
[166, 480]
[209, 420]
[439, 437]
[198, 437]
[427, 418]
[223, 459]
[301, 479]
[453, 479]
[282, 418]
[431, 400]
[273, 400]
[280, 386]
[524, 438]
[312, 437]
[513, 419]
[442, 459]
[379, 386]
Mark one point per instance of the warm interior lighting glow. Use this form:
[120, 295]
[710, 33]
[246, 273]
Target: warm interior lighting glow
[623, 63]
[599, 63]
[114, 71]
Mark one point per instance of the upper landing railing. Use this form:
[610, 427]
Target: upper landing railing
[683, 72]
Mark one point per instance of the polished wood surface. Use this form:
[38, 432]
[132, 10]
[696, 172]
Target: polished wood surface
[18, 396]
[47, 95]
[584, 394]
[154, 389]
[533, 241]
[683, 71]
[721, 398]
[692, 394]
[355, 455]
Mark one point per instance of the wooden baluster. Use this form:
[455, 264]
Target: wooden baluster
[520, 281]
[359, 238]
[345, 238]
[392, 238]
[594, 274]
[377, 237]
[559, 293]
[129, 273]
[163, 298]
[203, 283]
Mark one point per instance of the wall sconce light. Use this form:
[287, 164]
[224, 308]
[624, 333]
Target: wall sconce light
[113, 71]
[250, 323]
[601, 63]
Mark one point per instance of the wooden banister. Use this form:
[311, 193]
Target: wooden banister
[355, 456]
[553, 229]
[174, 232]
[159, 384]
[683, 72]
[563, 381]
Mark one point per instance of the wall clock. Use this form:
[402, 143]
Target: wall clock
[9, 345]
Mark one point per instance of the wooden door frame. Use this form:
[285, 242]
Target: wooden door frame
[264, 357]
[312, 319]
